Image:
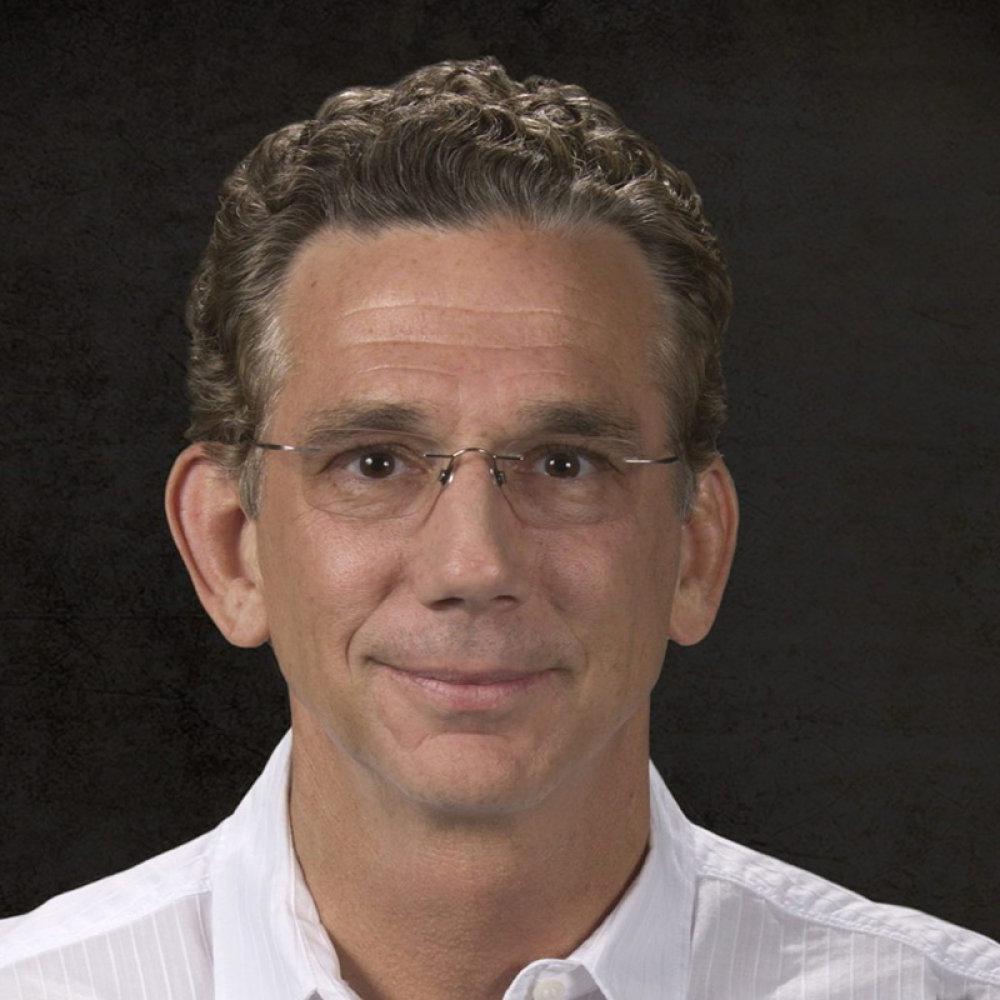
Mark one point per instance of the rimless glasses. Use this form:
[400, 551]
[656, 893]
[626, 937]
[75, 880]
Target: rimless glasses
[545, 484]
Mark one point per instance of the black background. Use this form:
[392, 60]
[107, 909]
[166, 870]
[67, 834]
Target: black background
[844, 713]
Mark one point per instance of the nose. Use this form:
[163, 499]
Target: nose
[469, 550]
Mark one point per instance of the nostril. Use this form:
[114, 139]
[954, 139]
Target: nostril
[453, 603]
[448, 602]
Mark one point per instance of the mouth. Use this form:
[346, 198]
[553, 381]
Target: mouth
[465, 690]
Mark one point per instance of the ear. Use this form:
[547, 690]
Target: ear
[218, 543]
[708, 539]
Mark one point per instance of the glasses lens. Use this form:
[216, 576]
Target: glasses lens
[555, 485]
[370, 482]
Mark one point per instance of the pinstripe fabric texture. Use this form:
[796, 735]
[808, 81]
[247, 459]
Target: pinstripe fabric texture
[228, 916]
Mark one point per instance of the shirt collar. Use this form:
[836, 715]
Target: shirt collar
[642, 949]
[268, 940]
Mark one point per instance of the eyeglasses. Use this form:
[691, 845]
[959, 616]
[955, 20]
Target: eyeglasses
[546, 484]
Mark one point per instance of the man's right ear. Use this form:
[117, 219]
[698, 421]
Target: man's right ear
[218, 543]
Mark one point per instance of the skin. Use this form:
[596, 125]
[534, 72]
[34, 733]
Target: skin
[446, 849]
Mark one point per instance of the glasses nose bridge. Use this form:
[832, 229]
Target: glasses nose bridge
[447, 474]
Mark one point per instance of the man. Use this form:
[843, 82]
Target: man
[456, 394]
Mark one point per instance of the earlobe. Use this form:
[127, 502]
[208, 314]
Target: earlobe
[708, 540]
[217, 541]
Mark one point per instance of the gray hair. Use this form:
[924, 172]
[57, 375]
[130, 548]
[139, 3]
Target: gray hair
[458, 144]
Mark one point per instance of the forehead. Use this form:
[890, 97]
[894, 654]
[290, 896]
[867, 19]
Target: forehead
[476, 317]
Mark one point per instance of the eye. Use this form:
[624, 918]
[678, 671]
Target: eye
[376, 463]
[562, 462]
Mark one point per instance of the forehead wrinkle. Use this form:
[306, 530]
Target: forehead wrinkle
[396, 366]
[405, 342]
[477, 310]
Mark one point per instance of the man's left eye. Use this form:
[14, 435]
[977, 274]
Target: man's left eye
[564, 463]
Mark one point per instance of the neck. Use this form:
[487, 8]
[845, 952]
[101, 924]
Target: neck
[420, 908]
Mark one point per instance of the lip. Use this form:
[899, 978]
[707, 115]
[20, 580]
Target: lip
[470, 690]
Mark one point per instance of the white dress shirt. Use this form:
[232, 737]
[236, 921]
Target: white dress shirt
[228, 916]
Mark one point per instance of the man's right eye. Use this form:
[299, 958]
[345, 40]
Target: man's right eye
[369, 462]
[375, 463]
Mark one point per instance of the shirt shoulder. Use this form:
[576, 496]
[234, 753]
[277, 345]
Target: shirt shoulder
[119, 936]
[758, 918]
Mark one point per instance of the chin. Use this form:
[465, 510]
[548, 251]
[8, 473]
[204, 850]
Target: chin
[468, 774]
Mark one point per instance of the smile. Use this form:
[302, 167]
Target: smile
[469, 692]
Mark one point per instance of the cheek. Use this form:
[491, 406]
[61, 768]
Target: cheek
[614, 584]
[321, 582]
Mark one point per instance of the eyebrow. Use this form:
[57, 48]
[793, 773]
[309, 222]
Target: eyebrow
[328, 424]
[589, 420]
[536, 417]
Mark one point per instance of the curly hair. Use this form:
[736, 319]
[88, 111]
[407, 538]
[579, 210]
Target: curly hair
[456, 144]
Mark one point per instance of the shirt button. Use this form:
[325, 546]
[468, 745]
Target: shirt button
[548, 989]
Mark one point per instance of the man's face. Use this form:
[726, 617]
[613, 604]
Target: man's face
[470, 327]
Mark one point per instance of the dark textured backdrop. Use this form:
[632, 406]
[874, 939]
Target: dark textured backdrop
[844, 713]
